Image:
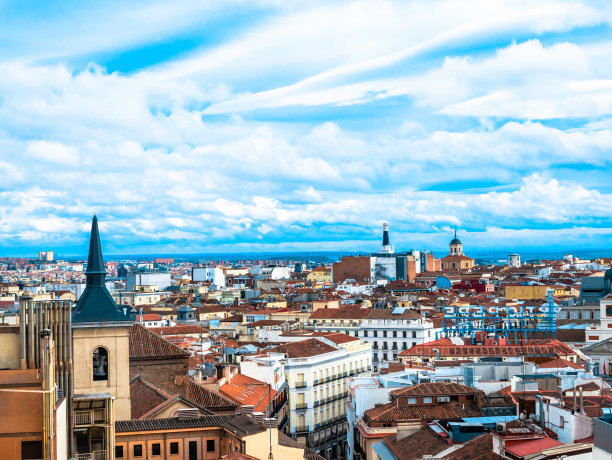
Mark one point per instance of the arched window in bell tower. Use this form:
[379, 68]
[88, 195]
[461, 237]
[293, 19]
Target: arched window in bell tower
[100, 364]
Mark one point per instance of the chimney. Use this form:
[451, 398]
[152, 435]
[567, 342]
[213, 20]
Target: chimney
[581, 402]
[198, 375]
[561, 402]
[140, 315]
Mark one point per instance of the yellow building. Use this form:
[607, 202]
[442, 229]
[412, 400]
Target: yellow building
[532, 291]
[320, 275]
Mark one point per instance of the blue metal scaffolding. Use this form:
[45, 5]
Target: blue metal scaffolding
[515, 324]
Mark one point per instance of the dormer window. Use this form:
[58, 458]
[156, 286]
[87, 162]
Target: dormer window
[100, 364]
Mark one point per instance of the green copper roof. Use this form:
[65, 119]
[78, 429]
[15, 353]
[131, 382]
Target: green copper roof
[96, 304]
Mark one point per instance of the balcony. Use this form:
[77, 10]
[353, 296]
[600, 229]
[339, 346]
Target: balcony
[300, 384]
[89, 417]
[95, 455]
[301, 429]
[301, 406]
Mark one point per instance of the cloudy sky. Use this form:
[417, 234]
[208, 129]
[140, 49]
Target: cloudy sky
[271, 126]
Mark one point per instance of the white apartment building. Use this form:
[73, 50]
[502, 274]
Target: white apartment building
[317, 372]
[392, 331]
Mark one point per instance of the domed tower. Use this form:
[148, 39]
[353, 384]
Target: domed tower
[455, 246]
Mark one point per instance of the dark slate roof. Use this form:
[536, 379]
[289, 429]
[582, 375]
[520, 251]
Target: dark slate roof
[96, 304]
[241, 425]
[145, 344]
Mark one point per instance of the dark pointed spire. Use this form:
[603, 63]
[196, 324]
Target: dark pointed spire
[96, 304]
[96, 274]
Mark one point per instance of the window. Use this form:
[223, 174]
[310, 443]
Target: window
[118, 451]
[394, 333]
[427, 399]
[156, 449]
[405, 334]
[375, 333]
[384, 333]
[137, 450]
[561, 422]
[31, 450]
[412, 401]
[210, 445]
[609, 311]
[365, 333]
[174, 448]
[100, 364]
[375, 356]
[413, 334]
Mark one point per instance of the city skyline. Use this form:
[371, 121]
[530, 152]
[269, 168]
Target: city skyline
[275, 126]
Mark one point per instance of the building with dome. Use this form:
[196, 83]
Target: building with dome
[456, 260]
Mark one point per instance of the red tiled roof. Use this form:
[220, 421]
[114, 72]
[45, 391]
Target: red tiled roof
[303, 349]
[249, 392]
[145, 396]
[266, 322]
[339, 338]
[559, 363]
[179, 329]
[552, 347]
[144, 344]
[423, 442]
[346, 312]
[522, 449]
[478, 448]
[209, 399]
[427, 413]
[387, 313]
[151, 317]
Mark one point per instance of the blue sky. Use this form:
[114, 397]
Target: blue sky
[270, 126]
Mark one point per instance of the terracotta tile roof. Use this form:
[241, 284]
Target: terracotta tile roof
[339, 338]
[145, 344]
[571, 335]
[249, 392]
[209, 399]
[435, 389]
[241, 425]
[145, 396]
[480, 448]
[179, 329]
[346, 312]
[423, 442]
[387, 313]
[559, 363]
[303, 349]
[552, 347]
[389, 413]
[151, 317]
[266, 322]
